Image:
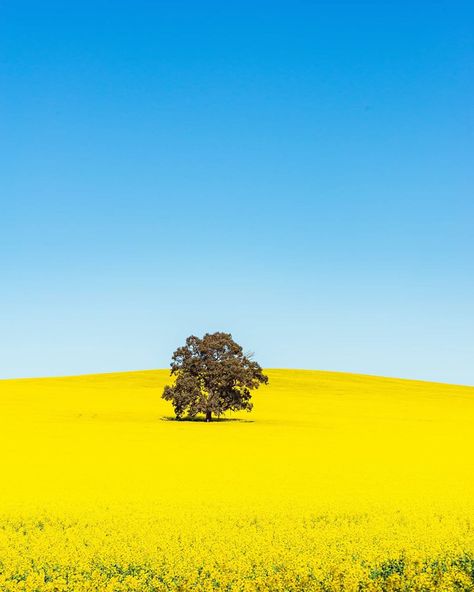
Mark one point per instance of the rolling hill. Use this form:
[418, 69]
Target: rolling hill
[333, 482]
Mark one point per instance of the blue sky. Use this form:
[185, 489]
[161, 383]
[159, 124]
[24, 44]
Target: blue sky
[297, 173]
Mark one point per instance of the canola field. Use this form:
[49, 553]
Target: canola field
[335, 482]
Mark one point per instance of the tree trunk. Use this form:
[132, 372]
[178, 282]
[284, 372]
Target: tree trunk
[208, 415]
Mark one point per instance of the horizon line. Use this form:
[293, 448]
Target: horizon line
[270, 369]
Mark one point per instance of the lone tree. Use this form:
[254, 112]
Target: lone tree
[212, 376]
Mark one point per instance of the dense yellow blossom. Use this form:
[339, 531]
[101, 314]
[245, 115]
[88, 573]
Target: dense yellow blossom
[334, 482]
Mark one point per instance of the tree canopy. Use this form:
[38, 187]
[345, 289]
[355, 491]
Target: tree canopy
[212, 376]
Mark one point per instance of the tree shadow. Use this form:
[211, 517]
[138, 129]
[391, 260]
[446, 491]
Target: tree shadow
[203, 419]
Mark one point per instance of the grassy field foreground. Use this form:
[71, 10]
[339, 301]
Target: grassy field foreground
[333, 482]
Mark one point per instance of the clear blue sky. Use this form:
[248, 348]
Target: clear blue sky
[297, 173]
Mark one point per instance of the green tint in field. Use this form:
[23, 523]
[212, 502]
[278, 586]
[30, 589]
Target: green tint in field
[333, 482]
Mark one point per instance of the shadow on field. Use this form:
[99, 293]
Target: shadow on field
[203, 419]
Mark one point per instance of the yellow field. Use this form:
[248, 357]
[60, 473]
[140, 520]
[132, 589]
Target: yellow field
[333, 482]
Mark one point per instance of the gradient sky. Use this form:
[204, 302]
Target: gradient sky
[297, 173]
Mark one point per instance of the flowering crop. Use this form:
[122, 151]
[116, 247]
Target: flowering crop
[335, 482]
